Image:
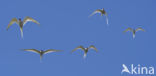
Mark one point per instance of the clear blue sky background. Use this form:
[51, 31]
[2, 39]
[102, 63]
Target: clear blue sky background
[65, 25]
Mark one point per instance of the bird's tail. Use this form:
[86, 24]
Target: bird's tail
[107, 20]
[21, 29]
[85, 54]
[133, 35]
[41, 58]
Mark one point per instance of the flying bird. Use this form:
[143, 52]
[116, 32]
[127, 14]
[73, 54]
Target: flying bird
[134, 30]
[21, 23]
[102, 11]
[85, 49]
[41, 52]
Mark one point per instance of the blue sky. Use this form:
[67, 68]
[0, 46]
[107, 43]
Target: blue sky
[65, 25]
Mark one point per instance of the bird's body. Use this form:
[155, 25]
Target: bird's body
[21, 27]
[102, 11]
[85, 52]
[134, 30]
[41, 52]
[85, 49]
[21, 23]
[134, 33]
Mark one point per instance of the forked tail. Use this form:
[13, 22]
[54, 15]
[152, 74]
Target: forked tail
[21, 29]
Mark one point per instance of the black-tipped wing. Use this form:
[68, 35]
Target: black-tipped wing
[27, 19]
[129, 29]
[51, 50]
[139, 29]
[79, 47]
[14, 20]
[93, 47]
[32, 50]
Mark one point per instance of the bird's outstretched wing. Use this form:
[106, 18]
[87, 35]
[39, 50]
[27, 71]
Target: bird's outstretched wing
[129, 29]
[26, 19]
[139, 29]
[96, 11]
[32, 50]
[51, 50]
[93, 47]
[79, 47]
[14, 20]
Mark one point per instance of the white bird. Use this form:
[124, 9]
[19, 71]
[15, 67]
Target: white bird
[41, 52]
[102, 11]
[134, 30]
[125, 69]
[85, 49]
[21, 23]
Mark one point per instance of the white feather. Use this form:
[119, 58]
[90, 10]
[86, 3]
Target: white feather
[84, 55]
[21, 29]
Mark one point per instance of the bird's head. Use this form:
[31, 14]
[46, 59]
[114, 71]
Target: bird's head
[86, 49]
[41, 51]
